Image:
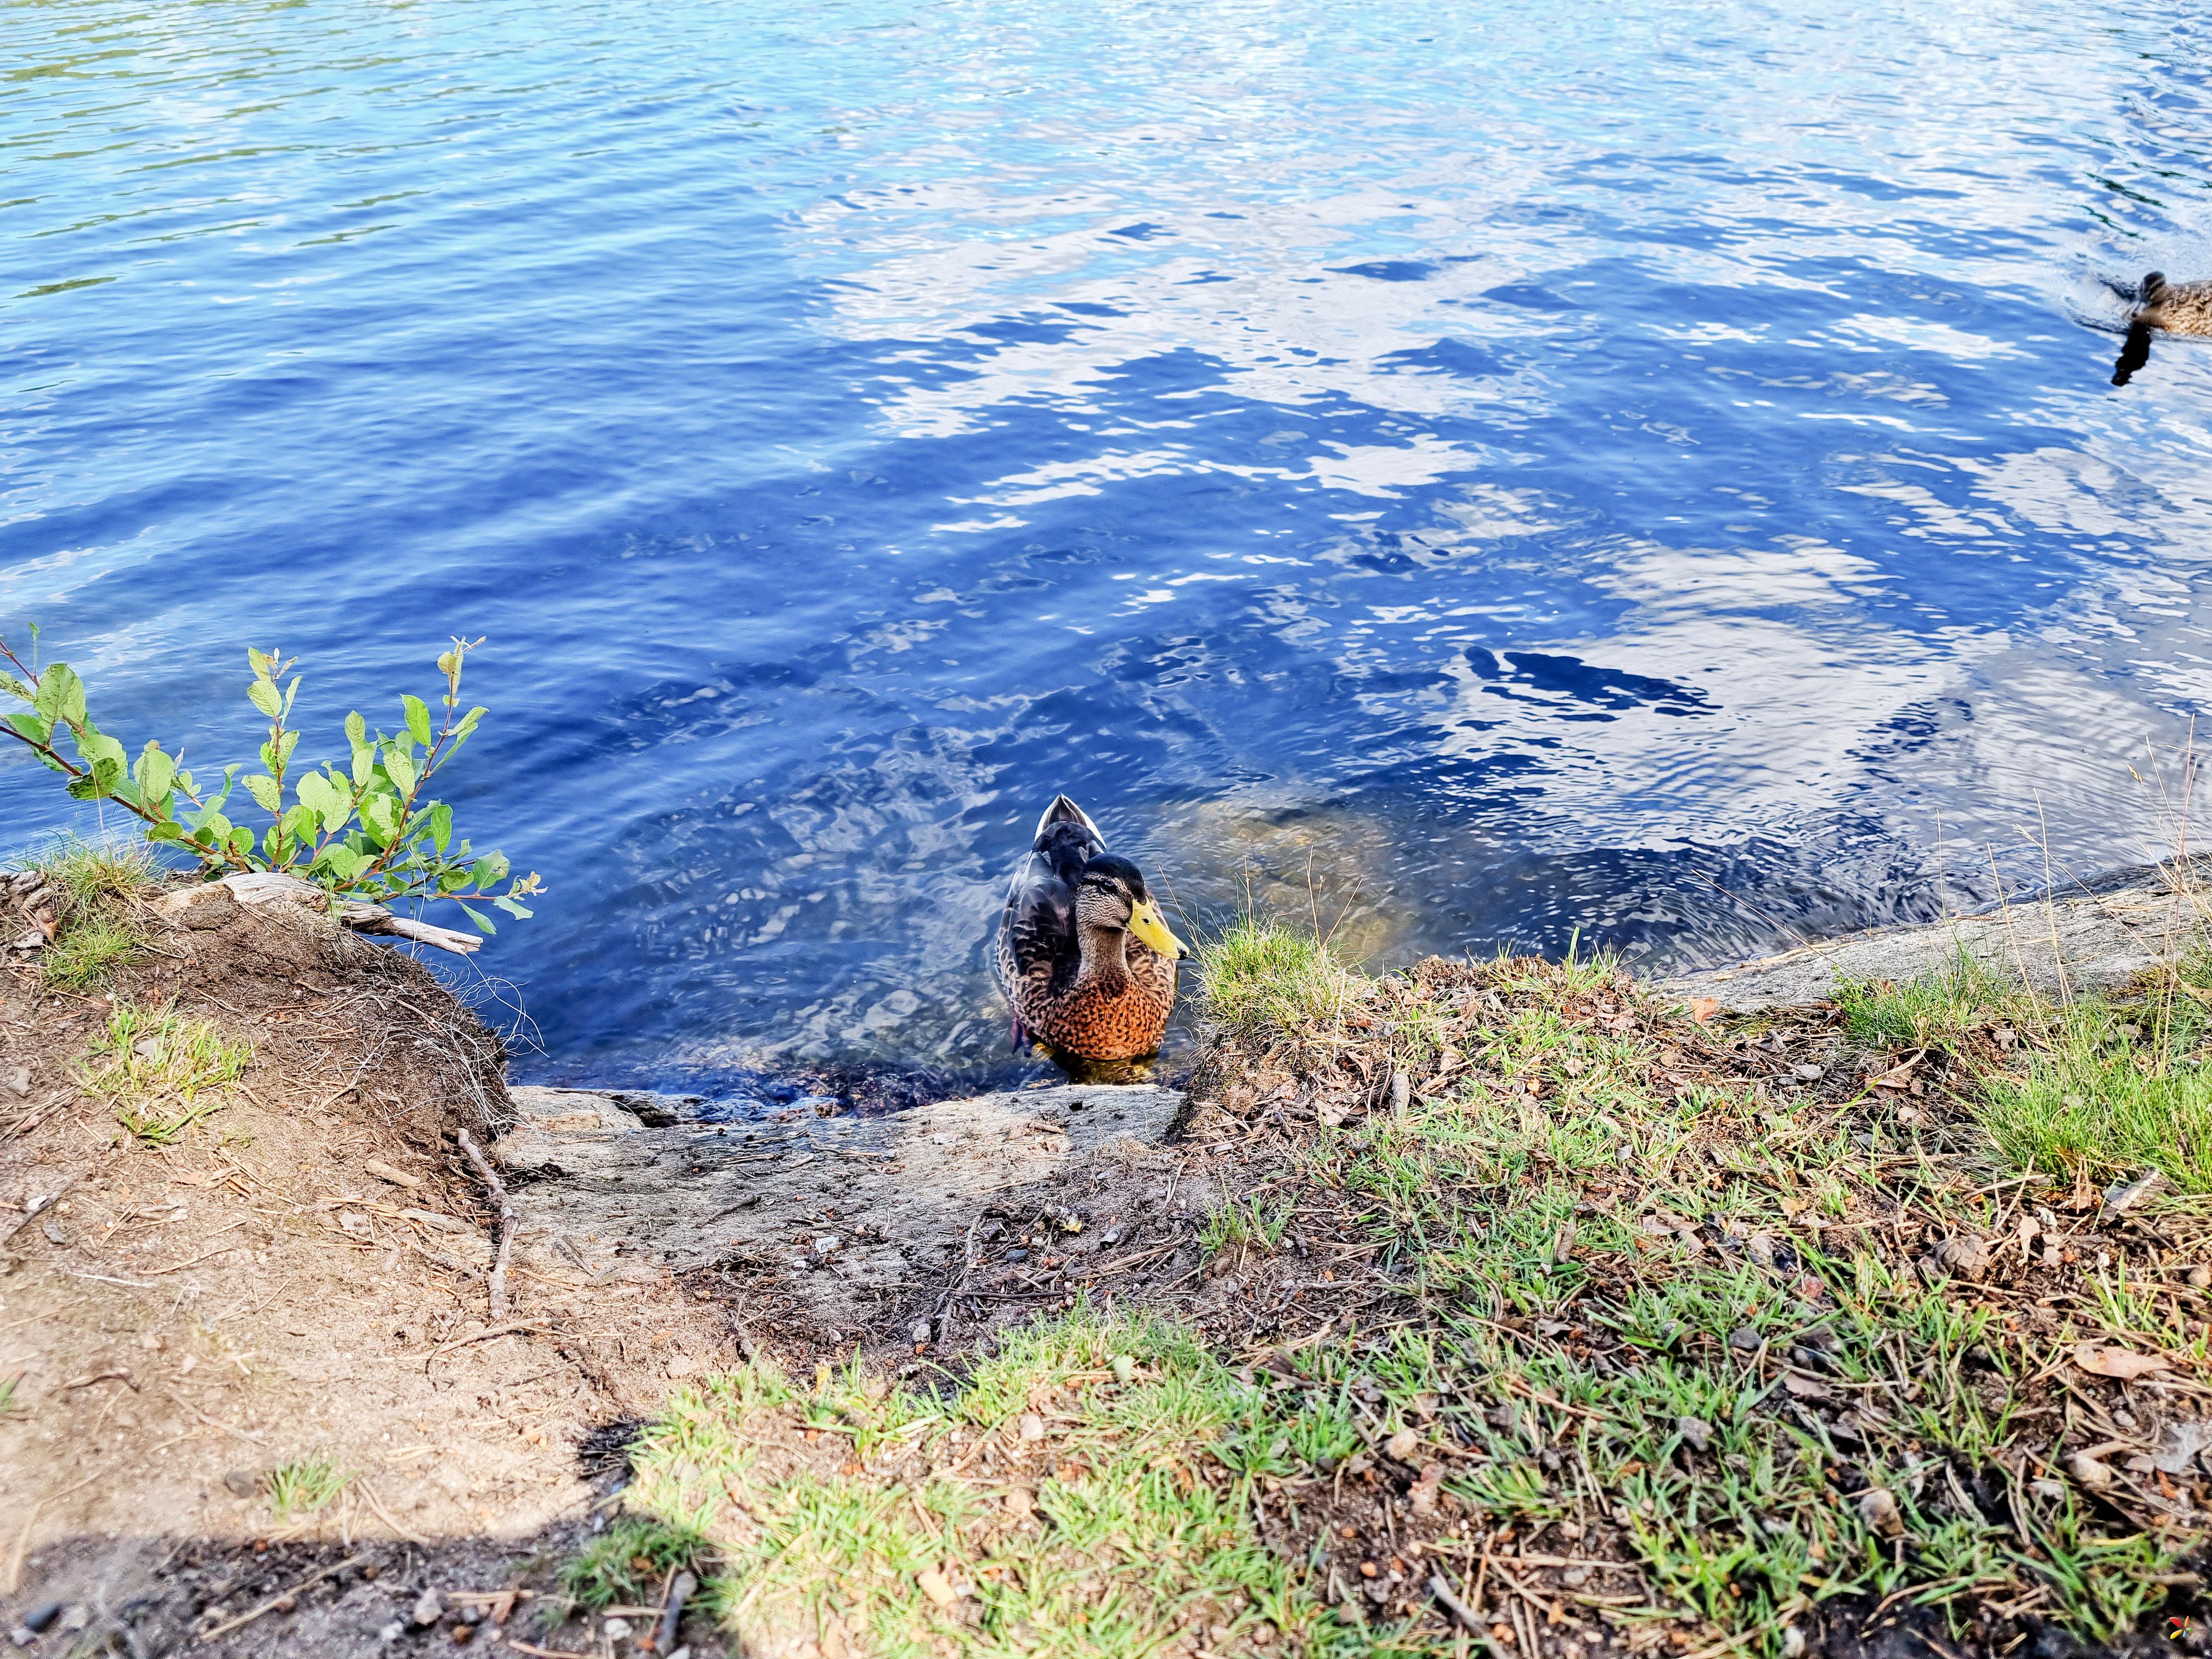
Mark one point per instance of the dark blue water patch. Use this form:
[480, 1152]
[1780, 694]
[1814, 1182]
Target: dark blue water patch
[1390, 270]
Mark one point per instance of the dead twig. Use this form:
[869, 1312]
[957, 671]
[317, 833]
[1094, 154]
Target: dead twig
[362, 1487]
[486, 1336]
[272, 1603]
[499, 1304]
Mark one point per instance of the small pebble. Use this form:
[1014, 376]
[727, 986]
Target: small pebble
[616, 1629]
[1877, 1507]
[1745, 1339]
[1032, 1426]
[428, 1609]
[2200, 1277]
[1402, 1446]
[1697, 1433]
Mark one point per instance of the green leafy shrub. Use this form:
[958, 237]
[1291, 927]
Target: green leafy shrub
[367, 829]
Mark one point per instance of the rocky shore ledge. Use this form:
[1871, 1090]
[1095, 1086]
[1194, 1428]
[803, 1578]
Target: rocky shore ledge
[319, 1338]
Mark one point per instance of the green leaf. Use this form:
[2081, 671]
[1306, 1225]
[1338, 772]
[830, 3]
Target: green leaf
[168, 830]
[264, 791]
[400, 768]
[468, 722]
[483, 921]
[356, 729]
[16, 688]
[300, 823]
[155, 771]
[210, 827]
[31, 726]
[441, 827]
[380, 815]
[344, 862]
[512, 908]
[259, 661]
[290, 692]
[61, 695]
[418, 719]
[285, 745]
[262, 693]
[364, 766]
[241, 841]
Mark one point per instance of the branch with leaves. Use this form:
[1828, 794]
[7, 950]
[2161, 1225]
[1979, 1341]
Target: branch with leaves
[368, 830]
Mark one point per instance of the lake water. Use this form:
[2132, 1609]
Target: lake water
[1459, 474]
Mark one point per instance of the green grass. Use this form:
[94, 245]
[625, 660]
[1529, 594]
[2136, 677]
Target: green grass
[156, 1066]
[101, 925]
[306, 1486]
[9, 1405]
[1128, 1529]
[1622, 1281]
[1249, 1224]
[625, 1565]
[1260, 976]
[2102, 1086]
[1469, 1192]
[1938, 1008]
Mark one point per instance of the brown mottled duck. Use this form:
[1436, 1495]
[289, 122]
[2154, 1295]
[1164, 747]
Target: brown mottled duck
[1086, 961]
[2167, 307]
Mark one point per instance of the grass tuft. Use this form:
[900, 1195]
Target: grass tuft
[306, 1485]
[1261, 976]
[625, 1564]
[100, 924]
[1126, 1528]
[156, 1067]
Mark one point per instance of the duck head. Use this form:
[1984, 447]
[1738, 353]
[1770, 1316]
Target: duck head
[1110, 898]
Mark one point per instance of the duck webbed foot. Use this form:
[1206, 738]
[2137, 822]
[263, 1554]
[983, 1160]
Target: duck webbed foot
[2134, 352]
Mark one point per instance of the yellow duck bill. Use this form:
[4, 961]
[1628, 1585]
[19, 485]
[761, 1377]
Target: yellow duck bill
[1146, 923]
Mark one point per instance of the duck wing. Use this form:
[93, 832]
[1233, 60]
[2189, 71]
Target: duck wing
[1036, 930]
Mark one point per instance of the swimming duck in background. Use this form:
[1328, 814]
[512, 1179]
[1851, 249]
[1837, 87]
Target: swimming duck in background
[2170, 308]
[1083, 956]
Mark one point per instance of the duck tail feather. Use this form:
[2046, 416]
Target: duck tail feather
[1064, 811]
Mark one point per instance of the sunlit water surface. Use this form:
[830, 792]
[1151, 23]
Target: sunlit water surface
[1456, 474]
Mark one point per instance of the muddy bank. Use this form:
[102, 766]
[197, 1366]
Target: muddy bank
[298, 1278]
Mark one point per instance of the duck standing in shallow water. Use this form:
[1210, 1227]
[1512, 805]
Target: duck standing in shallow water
[1085, 958]
[2169, 307]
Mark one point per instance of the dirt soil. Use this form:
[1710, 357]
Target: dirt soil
[302, 1276]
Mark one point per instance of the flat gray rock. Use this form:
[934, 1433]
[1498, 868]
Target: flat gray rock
[2097, 939]
[600, 1191]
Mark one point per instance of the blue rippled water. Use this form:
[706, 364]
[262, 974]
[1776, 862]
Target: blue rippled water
[1465, 471]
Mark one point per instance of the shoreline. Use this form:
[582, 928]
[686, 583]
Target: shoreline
[319, 1271]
